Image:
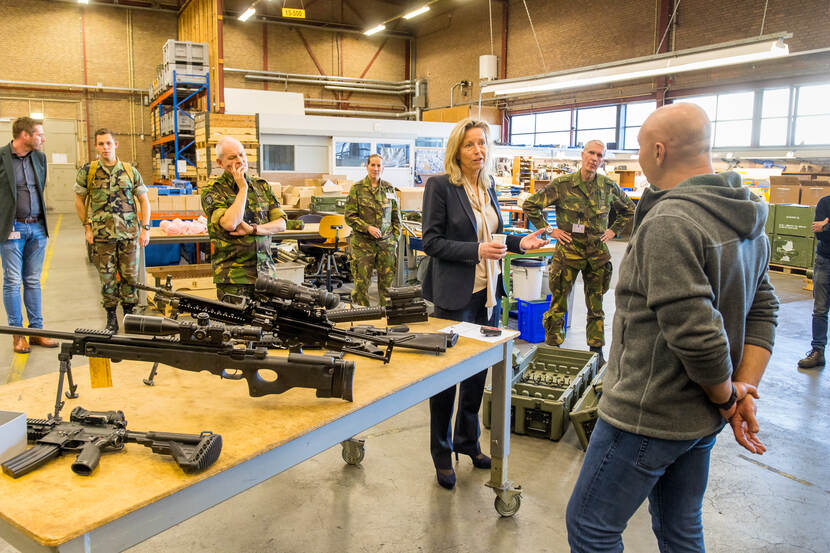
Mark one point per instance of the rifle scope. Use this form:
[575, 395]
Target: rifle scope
[162, 326]
[287, 290]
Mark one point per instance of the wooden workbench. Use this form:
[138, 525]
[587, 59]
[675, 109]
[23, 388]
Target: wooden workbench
[135, 494]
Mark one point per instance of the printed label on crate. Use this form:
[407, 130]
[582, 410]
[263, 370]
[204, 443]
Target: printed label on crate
[295, 13]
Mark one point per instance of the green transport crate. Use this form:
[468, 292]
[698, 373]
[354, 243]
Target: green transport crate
[794, 251]
[794, 220]
[585, 412]
[546, 391]
[770, 226]
[331, 204]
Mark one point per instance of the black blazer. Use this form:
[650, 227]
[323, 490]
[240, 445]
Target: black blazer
[8, 189]
[451, 242]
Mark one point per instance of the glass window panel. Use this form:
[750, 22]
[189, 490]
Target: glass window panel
[562, 139]
[631, 138]
[394, 155]
[278, 157]
[351, 154]
[522, 123]
[635, 114]
[596, 118]
[812, 100]
[429, 142]
[733, 133]
[706, 102]
[553, 121]
[521, 139]
[812, 130]
[609, 136]
[773, 132]
[775, 102]
[735, 106]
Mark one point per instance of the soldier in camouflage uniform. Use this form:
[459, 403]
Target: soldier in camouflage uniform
[373, 213]
[105, 193]
[582, 200]
[242, 214]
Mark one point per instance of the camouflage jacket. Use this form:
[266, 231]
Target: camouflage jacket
[582, 203]
[112, 206]
[240, 259]
[378, 207]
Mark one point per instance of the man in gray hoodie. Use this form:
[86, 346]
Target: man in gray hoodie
[692, 335]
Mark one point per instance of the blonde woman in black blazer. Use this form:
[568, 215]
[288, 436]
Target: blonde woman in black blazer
[463, 278]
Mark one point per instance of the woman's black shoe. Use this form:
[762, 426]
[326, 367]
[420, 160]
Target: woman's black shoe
[480, 460]
[446, 479]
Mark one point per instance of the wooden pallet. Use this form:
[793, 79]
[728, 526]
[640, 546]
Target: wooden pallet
[788, 270]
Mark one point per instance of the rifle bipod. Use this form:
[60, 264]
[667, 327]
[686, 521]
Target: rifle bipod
[65, 358]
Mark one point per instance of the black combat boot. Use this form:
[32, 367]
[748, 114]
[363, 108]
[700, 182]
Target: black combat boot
[112, 320]
[598, 351]
[814, 359]
[128, 308]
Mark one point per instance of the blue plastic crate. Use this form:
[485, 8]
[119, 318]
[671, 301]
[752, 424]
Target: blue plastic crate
[530, 319]
[161, 254]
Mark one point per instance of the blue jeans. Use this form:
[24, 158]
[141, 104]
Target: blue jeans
[821, 293]
[620, 470]
[22, 262]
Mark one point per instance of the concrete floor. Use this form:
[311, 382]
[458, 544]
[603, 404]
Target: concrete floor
[776, 503]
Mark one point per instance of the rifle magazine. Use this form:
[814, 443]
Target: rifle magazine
[31, 459]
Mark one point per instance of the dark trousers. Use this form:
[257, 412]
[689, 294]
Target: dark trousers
[443, 441]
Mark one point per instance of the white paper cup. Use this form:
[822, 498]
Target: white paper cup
[500, 238]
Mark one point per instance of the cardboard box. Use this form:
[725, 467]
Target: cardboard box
[166, 203]
[193, 202]
[290, 196]
[784, 193]
[305, 194]
[411, 198]
[152, 193]
[179, 202]
[154, 205]
[794, 220]
[813, 192]
[276, 188]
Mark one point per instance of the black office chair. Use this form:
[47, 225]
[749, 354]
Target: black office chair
[334, 232]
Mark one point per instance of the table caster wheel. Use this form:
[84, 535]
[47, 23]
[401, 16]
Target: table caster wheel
[510, 508]
[353, 451]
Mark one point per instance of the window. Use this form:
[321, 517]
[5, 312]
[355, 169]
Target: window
[731, 115]
[351, 154]
[277, 157]
[775, 111]
[429, 142]
[394, 155]
[635, 115]
[597, 124]
[551, 128]
[812, 113]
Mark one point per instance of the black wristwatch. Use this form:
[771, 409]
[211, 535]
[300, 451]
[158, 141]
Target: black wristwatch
[732, 400]
[145, 227]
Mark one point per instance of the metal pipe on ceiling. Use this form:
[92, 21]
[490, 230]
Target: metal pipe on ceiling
[71, 86]
[379, 114]
[319, 77]
[368, 90]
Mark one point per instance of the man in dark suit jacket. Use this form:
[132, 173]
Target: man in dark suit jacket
[23, 231]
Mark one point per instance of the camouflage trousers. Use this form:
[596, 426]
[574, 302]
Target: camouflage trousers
[561, 280]
[222, 288]
[117, 263]
[367, 255]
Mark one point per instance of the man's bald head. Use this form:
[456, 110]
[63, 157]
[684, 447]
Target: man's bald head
[675, 143]
[230, 153]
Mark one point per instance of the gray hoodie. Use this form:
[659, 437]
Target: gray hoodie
[693, 289]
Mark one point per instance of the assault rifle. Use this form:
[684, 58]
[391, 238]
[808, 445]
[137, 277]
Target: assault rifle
[90, 432]
[296, 316]
[201, 346]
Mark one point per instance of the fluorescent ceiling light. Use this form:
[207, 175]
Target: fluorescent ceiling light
[83, 1]
[246, 15]
[374, 30]
[36, 115]
[718, 55]
[790, 154]
[416, 13]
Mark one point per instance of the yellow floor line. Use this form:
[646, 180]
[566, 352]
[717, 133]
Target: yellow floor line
[779, 472]
[19, 359]
[48, 261]
[17, 367]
